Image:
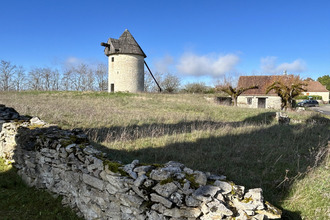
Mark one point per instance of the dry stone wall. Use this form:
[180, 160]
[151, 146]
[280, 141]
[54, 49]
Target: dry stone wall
[65, 163]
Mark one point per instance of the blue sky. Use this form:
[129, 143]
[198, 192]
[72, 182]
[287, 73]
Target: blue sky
[196, 40]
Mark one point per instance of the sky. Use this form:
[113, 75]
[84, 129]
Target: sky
[198, 41]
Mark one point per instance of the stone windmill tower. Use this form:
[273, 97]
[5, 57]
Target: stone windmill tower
[125, 64]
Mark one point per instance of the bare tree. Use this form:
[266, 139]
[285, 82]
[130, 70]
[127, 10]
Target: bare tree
[150, 84]
[234, 92]
[90, 79]
[101, 77]
[35, 79]
[66, 79]
[82, 78]
[170, 83]
[227, 87]
[43, 79]
[7, 70]
[19, 79]
[287, 87]
[76, 80]
[55, 80]
[46, 78]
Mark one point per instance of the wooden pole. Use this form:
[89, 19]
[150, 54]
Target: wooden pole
[160, 89]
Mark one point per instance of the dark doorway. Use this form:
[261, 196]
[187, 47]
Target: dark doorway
[223, 100]
[261, 102]
[112, 87]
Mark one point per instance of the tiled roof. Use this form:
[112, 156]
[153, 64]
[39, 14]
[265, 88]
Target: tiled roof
[261, 81]
[126, 44]
[315, 86]
[264, 81]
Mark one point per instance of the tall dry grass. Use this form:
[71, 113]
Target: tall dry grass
[246, 145]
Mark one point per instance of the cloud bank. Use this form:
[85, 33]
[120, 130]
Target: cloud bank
[211, 65]
[268, 65]
[164, 64]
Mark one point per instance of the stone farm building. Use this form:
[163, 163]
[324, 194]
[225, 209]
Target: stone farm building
[257, 98]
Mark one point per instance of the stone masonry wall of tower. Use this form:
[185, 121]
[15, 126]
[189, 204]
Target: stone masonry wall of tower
[126, 73]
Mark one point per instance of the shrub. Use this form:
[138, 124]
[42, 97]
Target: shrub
[314, 97]
[195, 88]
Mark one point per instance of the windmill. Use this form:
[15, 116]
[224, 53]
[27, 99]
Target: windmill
[126, 64]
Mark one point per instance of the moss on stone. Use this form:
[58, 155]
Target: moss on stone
[65, 142]
[81, 146]
[35, 126]
[247, 200]
[192, 180]
[115, 167]
[73, 138]
[272, 209]
[156, 165]
[210, 182]
[148, 173]
[168, 180]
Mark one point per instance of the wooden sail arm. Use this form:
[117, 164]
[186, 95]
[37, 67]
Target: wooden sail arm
[160, 89]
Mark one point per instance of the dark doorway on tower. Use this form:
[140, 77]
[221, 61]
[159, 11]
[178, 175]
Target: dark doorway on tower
[261, 102]
[112, 87]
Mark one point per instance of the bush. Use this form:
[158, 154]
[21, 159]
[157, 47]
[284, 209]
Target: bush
[170, 83]
[198, 88]
[314, 97]
[210, 91]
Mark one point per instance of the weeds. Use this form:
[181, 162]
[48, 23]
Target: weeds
[246, 145]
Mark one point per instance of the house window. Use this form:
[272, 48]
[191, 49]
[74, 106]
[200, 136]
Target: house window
[112, 59]
[249, 101]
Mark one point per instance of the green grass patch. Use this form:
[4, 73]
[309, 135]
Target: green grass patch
[18, 201]
[310, 196]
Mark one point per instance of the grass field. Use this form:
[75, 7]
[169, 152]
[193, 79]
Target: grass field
[290, 163]
[19, 202]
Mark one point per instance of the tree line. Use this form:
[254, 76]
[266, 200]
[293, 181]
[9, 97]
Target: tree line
[83, 77]
[79, 77]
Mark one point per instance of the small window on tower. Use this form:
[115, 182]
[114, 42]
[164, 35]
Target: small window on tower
[112, 59]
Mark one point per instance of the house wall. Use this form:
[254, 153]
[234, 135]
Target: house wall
[325, 95]
[272, 102]
[126, 72]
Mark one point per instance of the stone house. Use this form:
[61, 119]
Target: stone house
[125, 64]
[257, 98]
[316, 88]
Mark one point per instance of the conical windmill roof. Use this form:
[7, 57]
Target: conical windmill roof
[126, 44]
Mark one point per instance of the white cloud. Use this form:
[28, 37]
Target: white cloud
[73, 61]
[210, 65]
[268, 65]
[164, 64]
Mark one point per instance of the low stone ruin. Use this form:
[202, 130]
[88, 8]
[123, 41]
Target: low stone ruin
[65, 163]
[282, 118]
